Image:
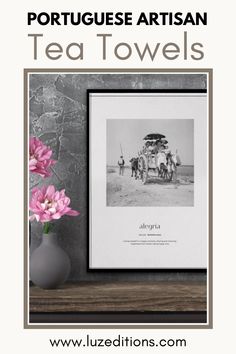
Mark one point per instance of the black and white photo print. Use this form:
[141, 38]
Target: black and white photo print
[150, 162]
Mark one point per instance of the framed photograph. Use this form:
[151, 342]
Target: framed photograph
[148, 179]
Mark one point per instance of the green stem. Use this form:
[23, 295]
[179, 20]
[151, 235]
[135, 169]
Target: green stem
[46, 227]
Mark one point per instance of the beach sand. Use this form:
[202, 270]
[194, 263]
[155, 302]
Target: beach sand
[126, 191]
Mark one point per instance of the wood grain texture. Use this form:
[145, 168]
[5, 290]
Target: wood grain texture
[120, 296]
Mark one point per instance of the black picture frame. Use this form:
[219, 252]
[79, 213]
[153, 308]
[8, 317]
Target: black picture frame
[147, 270]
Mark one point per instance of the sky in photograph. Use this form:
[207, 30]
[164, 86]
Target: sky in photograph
[129, 133]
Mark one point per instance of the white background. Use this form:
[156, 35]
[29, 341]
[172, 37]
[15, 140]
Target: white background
[16, 53]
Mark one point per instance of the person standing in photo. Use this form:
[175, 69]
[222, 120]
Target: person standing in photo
[121, 164]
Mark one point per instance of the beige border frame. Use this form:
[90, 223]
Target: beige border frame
[207, 71]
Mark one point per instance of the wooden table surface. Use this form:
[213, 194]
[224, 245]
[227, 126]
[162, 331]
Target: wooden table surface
[120, 297]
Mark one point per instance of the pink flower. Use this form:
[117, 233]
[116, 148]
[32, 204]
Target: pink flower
[47, 204]
[40, 157]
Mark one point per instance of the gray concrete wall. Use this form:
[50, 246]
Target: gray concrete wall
[57, 107]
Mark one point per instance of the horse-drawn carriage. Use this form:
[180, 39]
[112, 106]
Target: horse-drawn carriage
[155, 160]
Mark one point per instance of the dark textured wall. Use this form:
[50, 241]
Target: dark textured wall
[57, 107]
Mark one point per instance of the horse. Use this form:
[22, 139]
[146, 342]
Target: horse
[167, 165]
[134, 167]
[161, 164]
[173, 161]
